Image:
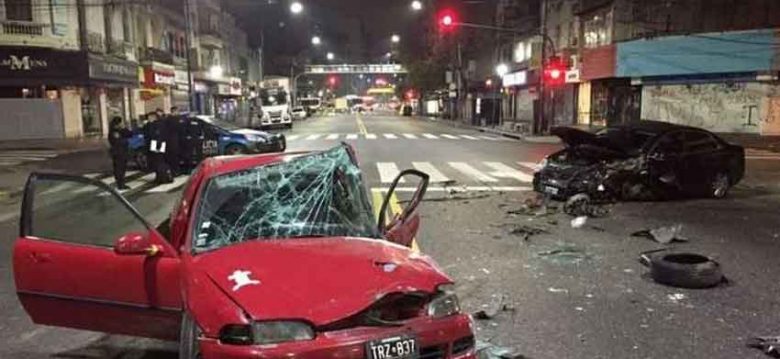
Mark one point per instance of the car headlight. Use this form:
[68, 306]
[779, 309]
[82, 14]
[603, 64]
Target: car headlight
[542, 164]
[445, 303]
[255, 138]
[282, 331]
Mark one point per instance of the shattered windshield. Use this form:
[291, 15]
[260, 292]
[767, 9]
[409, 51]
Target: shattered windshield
[309, 196]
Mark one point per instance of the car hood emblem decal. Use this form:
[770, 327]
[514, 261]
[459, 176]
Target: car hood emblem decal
[242, 278]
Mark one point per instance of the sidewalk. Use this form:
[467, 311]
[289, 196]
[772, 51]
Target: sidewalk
[59, 145]
[496, 131]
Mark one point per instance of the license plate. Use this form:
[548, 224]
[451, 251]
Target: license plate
[392, 348]
[550, 190]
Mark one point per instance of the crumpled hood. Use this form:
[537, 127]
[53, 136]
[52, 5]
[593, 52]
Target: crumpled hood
[573, 137]
[319, 280]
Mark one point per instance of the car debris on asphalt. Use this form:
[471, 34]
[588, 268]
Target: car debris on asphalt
[683, 270]
[578, 222]
[581, 205]
[769, 345]
[526, 231]
[663, 235]
[487, 350]
[497, 304]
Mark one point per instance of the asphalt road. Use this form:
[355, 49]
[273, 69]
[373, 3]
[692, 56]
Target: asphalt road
[591, 299]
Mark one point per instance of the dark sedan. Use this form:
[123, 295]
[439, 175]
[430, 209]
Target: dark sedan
[641, 160]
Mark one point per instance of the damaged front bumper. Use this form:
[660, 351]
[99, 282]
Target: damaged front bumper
[607, 180]
[437, 338]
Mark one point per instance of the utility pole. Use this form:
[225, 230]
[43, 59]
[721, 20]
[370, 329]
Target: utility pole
[539, 127]
[188, 39]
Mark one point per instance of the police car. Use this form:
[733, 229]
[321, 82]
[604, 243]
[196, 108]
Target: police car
[215, 140]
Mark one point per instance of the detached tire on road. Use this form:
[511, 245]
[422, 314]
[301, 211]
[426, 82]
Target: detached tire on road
[188, 338]
[685, 270]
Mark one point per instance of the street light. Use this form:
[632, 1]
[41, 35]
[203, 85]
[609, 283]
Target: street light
[416, 5]
[389, 55]
[502, 69]
[330, 56]
[395, 38]
[315, 40]
[296, 7]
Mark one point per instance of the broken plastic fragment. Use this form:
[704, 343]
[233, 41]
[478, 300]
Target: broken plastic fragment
[579, 221]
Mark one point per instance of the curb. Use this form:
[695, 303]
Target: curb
[512, 135]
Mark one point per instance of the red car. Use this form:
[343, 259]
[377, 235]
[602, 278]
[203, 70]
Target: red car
[267, 256]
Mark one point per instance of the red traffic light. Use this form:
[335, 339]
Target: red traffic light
[332, 80]
[555, 71]
[447, 20]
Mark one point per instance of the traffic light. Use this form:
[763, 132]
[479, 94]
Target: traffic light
[448, 20]
[332, 81]
[555, 71]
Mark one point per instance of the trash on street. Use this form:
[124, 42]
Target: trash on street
[497, 304]
[578, 222]
[684, 270]
[526, 231]
[663, 235]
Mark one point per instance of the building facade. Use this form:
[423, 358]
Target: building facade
[67, 68]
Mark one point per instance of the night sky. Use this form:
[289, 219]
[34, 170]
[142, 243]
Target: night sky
[356, 31]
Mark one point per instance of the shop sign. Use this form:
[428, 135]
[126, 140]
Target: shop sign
[228, 90]
[25, 63]
[181, 77]
[156, 78]
[515, 79]
[112, 69]
[200, 87]
[572, 76]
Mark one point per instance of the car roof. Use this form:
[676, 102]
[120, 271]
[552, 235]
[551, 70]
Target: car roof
[219, 165]
[654, 127]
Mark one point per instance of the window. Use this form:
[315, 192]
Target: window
[72, 211]
[18, 10]
[598, 29]
[700, 142]
[669, 144]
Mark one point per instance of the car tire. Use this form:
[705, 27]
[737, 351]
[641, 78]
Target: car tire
[685, 270]
[188, 338]
[720, 185]
[234, 150]
[141, 161]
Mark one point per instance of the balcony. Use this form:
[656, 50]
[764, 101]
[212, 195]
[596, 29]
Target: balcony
[151, 54]
[23, 28]
[210, 38]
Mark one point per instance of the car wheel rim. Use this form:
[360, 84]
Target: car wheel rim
[720, 185]
[234, 151]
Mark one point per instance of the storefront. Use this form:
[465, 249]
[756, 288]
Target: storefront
[228, 100]
[49, 93]
[159, 80]
[520, 100]
[180, 96]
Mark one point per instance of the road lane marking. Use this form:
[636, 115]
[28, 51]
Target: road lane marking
[459, 189]
[292, 137]
[434, 174]
[397, 210]
[177, 182]
[430, 136]
[468, 137]
[451, 137]
[390, 136]
[332, 136]
[371, 136]
[472, 172]
[533, 166]
[503, 171]
[361, 126]
[134, 184]
[352, 136]
[388, 171]
[410, 136]
[313, 137]
[491, 138]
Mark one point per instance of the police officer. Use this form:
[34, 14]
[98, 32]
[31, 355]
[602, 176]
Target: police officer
[118, 137]
[171, 134]
[154, 133]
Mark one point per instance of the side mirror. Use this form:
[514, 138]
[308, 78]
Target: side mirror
[411, 205]
[136, 243]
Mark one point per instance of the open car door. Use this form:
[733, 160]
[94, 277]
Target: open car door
[86, 259]
[402, 228]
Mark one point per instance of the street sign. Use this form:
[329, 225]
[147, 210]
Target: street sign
[355, 69]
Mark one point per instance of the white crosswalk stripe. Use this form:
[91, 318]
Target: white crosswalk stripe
[469, 137]
[390, 136]
[410, 136]
[177, 182]
[388, 171]
[491, 138]
[431, 170]
[313, 137]
[471, 172]
[370, 136]
[17, 157]
[503, 171]
[332, 136]
[134, 184]
[430, 136]
[352, 136]
[292, 137]
[448, 136]
[533, 166]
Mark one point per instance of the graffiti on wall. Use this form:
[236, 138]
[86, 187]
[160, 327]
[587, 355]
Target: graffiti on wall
[721, 107]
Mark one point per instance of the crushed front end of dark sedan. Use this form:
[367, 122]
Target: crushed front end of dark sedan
[644, 160]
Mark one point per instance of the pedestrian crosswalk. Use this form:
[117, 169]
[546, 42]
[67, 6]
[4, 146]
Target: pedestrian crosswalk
[390, 136]
[10, 158]
[476, 175]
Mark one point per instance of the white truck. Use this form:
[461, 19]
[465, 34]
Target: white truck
[272, 104]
